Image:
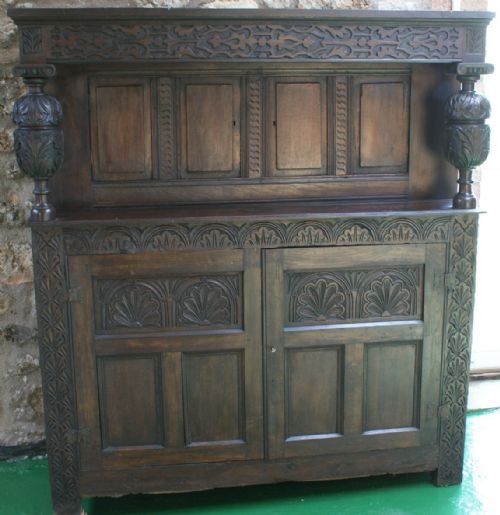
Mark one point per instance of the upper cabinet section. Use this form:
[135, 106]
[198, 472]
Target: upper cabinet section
[182, 106]
[166, 35]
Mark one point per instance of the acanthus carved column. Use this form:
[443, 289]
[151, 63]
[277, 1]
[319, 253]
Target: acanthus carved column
[467, 137]
[38, 140]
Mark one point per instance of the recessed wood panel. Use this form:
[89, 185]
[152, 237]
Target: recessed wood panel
[313, 391]
[392, 376]
[121, 129]
[130, 401]
[213, 397]
[211, 117]
[299, 127]
[384, 125]
[380, 124]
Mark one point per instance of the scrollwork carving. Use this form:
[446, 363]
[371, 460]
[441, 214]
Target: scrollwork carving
[256, 41]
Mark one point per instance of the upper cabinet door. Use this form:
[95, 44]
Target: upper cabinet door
[353, 348]
[297, 126]
[380, 128]
[121, 120]
[210, 113]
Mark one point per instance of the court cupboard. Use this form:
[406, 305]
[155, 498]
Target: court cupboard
[253, 265]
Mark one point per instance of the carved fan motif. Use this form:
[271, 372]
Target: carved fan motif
[135, 307]
[321, 300]
[387, 297]
[205, 304]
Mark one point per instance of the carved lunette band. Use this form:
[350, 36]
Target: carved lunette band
[467, 137]
[38, 141]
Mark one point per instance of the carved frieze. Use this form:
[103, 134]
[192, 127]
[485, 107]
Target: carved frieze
[329, 297]
[169, 303]
[253, 41]
[302, 233]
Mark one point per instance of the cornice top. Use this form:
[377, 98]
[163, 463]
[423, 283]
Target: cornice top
[108, 14]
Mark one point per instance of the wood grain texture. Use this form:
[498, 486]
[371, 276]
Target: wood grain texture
[313, 391]
[384, 125]
[380, 133]
[121, 122]
[214, 408]
[392, 379]
[130, 394]
[300, 127]
[210, 132]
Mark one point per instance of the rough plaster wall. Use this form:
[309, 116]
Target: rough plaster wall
[21, 410]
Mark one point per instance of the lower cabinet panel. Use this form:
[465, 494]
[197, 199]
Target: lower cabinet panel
[353, 348]
[313, 392]
[213, 397]
[171, 356]
[129, 394]
[392, 385]
[169, 365]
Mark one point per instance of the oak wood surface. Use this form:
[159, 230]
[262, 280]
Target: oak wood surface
[255, 275]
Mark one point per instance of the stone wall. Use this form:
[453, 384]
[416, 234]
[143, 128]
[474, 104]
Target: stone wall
[21, 409]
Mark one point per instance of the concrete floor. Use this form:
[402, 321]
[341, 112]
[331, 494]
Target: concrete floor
[24, 490]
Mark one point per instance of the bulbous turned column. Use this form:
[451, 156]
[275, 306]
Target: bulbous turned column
[467, 137]
[38, 141]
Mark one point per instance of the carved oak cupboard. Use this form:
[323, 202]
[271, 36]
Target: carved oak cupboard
[252, 270]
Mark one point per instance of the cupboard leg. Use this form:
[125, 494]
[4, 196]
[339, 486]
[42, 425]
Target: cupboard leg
[447, 477]
[57, 368]
[456, 359]
[68, 507]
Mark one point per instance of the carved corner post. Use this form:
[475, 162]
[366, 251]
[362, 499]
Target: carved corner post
[56, 362]
[38, 141]
[467, 137]
[461, 270]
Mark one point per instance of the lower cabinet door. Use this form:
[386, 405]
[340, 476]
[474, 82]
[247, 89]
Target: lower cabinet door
[353, 347]
[168, 357]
